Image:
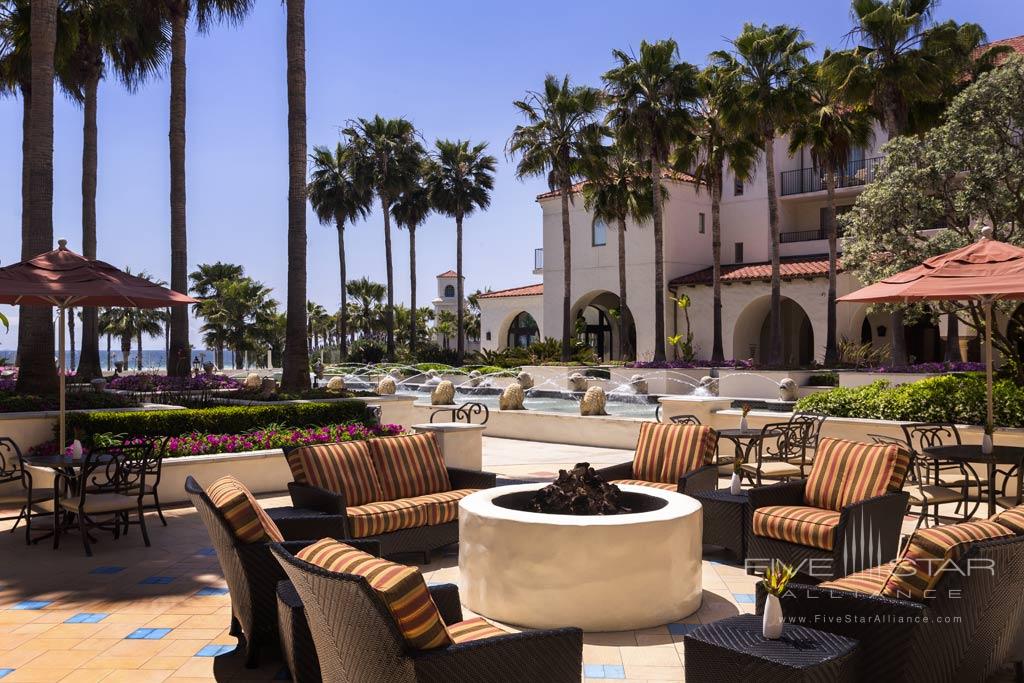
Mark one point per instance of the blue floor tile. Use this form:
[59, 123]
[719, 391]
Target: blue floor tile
[86, 618]
[207, 552]
[593, 671]
[148, 634]
[4, 672]
[681, 629]
[745, 598]
[32, 604]
[160, 580]
[604, 671]
[210, 591]
[614, 671]
[107, 570]
[214, 650]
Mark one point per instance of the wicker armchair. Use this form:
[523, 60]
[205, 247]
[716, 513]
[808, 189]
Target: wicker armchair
[687, 450]
[358, 640]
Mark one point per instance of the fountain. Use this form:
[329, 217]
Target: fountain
[512, 398]
[474, 378]
[788, 390]
[525, 380]
[386, 386]
[336, 385]
[443, 394]
[708, 386]
[577, 382]
[638, 383]
[593, 402]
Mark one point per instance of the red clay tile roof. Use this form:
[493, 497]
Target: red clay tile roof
[791, 268]
[668, 175]
[1016, 44]
[449, 273]
[528, 290]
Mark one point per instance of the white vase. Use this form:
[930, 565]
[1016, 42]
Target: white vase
[743, 423]
[771, 624]
[734, 484]
[986, 444]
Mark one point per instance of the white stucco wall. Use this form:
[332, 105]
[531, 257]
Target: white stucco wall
[497, 314]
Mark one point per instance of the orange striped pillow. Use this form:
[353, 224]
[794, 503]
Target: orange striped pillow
[473, 629]
[343, 467]
[665, 452]
[401, 588]
[846, 472]
[246, 518]
[899, 470]
[1012, 519]
[409, 466]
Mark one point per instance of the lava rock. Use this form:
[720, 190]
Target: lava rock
[580, 491]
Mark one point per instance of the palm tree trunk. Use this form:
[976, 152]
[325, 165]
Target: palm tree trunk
[295, 373]
[71, 336]
[108, 352]
[566, 190]
[625, 317]
[659, 262]
[26, 162]
[138, 344]
[38, 373]
[389, 311]
[343, 314]
[412, 291]
[126, 348]
[177, 360]
[717, 351]
[831, 344]
[460, 316]
[89, 363]
[899, 339]
[775, 351]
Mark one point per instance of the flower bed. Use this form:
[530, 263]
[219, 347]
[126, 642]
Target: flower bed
[684, 365]
[152, 382]
[12, 402]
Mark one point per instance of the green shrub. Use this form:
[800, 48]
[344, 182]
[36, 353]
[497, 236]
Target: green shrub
[958, 398]
[366, 351]
[221, 420]
[823, 379]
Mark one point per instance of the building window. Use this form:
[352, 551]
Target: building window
[449, 291]
[488, 336]
[599, 233]
[700, 223]
[523, 331]
[738, 252]
[737, 187]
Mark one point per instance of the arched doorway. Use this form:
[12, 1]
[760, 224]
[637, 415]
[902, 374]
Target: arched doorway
[594, 329]
[752, 333]
[523, 331]
[924, 342]
[599, 322]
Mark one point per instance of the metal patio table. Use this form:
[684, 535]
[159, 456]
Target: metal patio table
[1012, 456]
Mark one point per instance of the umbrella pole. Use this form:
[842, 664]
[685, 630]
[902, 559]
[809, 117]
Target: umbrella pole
[62, 443]
[989, 423]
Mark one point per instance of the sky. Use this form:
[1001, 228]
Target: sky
[453, 67]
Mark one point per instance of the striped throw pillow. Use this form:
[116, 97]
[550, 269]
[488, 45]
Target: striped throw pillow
[409, 466]
[343, 467]
[847, 472]
[401, 588]
[929, 553]
[899, 470]
[1012, 519]
[665, 452]
[867, 581]
[473, 629]
[244, 515]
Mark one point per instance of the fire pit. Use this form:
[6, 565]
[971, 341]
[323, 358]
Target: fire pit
[601, 572]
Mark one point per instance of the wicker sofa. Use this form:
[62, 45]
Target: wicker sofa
[376, 622]
[394, 490]
[671, 457]
[844, 517]
[950, 608]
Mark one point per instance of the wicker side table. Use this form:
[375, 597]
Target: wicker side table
[726, 520]
[734, 650]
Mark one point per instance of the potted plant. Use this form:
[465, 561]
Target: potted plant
[745, 410]
[776, 579]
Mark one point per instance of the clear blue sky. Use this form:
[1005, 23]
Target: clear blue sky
[452, 67]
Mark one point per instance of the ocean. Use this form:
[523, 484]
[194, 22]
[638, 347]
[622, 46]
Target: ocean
[152, 359]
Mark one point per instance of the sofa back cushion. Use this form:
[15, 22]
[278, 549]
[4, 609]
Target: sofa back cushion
[344, 467]
[899, 471]
[401, 588]
[665, 451]
[929, 552]
[245, 517]
[846, 472]
[409, 466]
[1012, 519]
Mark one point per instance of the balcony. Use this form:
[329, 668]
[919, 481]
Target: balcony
[538, 261]
[802, 236]
[856, 173]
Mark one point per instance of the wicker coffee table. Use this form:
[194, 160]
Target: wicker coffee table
[726, 520]
[734, 650]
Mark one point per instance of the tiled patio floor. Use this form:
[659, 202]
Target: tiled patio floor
[149, 615]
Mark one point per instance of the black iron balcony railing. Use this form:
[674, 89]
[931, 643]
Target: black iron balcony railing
[855, 173]
[538, 259]
[805, 235]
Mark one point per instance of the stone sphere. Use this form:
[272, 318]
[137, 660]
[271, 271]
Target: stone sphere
[443, 394]
[386, 386]
[253, 381]
[593, 402]
[639, 384]
[474, 378]
[336, 385]
[709, 384]
[577, 382]
[525, 380]
[268, 387]
[99, 384]
[512, 398]
[787, 390]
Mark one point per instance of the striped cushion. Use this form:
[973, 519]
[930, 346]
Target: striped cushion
[665, 452]
[339, 467]
[409, 466]
[473, 629]
[1012, 519]
[640, 482]
[868, 581]
[248, 521]
[401, 588]
[386, 516]
[797, 524]
[899, 470]
[847, 472]
[929, 553]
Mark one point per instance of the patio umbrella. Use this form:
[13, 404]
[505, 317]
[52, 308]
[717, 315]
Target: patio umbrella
[63, 279]
[986, 271]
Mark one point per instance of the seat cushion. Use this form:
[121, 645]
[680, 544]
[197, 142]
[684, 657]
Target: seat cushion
[665, 452]
[640, 482]
[847, 472]
[869, 581]
[18, 497]
[797, 524]
[409, 466]
[1012, 519]
[406, 513]
[929, 494]
[473, 629]
[930, 552]
[245, 517]
[99, 503]
[773, 469]
[400, 587]
[344, 468]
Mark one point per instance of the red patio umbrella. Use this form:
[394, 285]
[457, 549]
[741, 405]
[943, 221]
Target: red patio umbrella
[63, 279]
[986, 271]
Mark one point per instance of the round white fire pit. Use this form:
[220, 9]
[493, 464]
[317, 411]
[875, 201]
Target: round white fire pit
[600, 573]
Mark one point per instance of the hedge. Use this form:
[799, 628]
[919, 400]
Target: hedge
[220, 420]
[958, 398]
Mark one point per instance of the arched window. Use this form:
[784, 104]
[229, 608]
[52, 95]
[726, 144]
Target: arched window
[599, 233]
[449, 292]
[523, 331]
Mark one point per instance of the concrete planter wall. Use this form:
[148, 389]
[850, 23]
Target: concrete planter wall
[31, 429]
[759, 384]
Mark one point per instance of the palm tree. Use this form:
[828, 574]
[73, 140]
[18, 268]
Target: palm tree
[389, 154]
[207, 13]
[445, 326]
[118, 322]
[561, 126]
[338, 196]
[315, 323]
[768, 62]
[410, 211]
[461, 179]
[106, 327]
[649, 97]
[714, 142]
[295, 370]
[617, 190]
[368, 296]
[145, 321]
[208, 283]
[831, 127]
